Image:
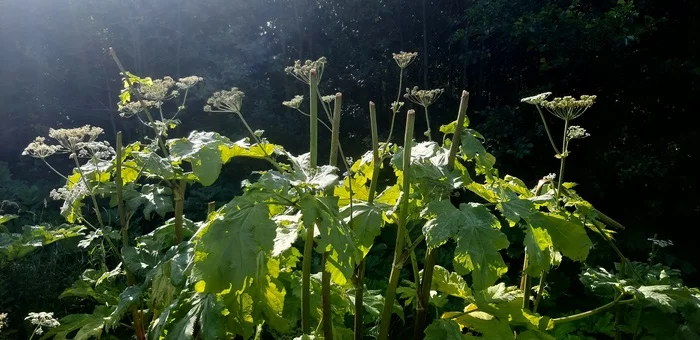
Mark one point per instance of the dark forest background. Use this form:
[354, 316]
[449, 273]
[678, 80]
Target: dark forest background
[641, 58]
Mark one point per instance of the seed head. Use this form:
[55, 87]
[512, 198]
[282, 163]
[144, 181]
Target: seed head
[423, 98]
[303, 71]
[158, 90]
[576, 132]
[293, 103]
[39, 149]
[132, 108]
[73, 140]
[568, 108]
[536, 99]
[188, 82]
[225, 101]
[403, 59]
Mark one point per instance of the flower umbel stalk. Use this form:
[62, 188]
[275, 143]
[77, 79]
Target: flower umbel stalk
[397, 264]
[309, 242]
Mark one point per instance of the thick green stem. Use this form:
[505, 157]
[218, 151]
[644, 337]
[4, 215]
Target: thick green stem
[360, 270]
[179, 193]
[309, 242]
[385, 322]
[423, 290]
[525, 283]
[135, 315]
[327, 317]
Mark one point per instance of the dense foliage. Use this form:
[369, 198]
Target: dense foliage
[57, 72]
[291, 256]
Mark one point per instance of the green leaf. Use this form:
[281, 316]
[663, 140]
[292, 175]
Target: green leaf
[15, 245]
[488, 325]
[568, 237]
[366, 221]
[318, 178]
[203, 151]
[228, 245]
[444, 329]
[473, 149]
[478, 238]
[163, 237]
[450, 283]
[128, 297]
[153, 165]
[540, 251]
[88, 325]
[139, 260]
[333, 235]
[5, 218]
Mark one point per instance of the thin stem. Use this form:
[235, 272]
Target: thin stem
[546, 128]
[359, 304]
[92, 194]
[320, 121]
[54, 170]
[375, 153]
[563, 161]
[211, 206]
[395, 110]
[540, 291]
[457, 137]
[592, 312]
[309, 242]
[427, 122]
[400, 238]
[120, 196]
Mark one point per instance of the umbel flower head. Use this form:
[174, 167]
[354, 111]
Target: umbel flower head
[576, 132]
[42, 319]
[225, 101]
[568, 107]
[158, 90]
[328, 99]
[403, 59]
[294, 103]
[75, 139]
[188, 82]
[303, 71]
[39, 149]
[536, 99]
[132, 108]
[423, 98]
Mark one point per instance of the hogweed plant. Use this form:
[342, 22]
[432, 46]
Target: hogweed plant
[288, 258]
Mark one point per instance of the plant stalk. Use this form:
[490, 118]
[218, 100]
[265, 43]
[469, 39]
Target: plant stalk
[394, 111]
[592, 312]
[360, 270]
[546, 128]
[385, 322]
[327, 317]
[423, 290]
[179, 195]
[540, 291]
[309, 242]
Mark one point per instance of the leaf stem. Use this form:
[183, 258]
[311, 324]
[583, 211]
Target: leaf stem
[400, 238]
[579, 316]
[540, 291]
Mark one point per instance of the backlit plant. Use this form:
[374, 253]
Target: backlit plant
[287, 258]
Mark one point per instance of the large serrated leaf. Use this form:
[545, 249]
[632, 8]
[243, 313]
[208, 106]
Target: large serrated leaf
[478, 238]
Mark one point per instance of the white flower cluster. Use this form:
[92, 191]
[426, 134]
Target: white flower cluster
[576, 132]
[536, 99]
[225, 101]
[294, 103]
[3, 317]
[42, 319]
[403, 59]
[39, 149]
[302, 71]
[423, 98]
[188, 82]
[569, 108]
